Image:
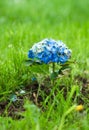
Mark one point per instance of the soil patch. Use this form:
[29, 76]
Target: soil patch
[33, 93]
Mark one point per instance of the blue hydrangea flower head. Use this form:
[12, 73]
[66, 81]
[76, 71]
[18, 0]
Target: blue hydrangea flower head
[49, 50]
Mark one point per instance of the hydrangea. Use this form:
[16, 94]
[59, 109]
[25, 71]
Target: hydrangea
[49, 50]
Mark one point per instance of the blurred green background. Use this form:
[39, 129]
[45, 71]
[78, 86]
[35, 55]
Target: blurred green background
[46, 11]
[24, 22]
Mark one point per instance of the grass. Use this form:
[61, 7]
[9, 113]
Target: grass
[22, 23]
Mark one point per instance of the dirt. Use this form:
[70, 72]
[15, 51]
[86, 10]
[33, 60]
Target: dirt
[32, 93]
[84, 89]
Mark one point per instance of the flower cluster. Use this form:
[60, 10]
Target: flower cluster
[49, 50]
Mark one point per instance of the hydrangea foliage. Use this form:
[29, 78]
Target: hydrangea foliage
[49, 50]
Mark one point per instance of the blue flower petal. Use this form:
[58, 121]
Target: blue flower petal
[63, 59]
[30, 54]
[49, 50]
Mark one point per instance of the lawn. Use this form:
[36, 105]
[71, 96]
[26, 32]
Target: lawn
[40, 104]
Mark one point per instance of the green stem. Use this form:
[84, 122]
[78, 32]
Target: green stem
[53, 69]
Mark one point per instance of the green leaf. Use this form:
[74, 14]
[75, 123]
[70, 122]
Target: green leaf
[68, 63]
[65, 67]
[32, 62]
